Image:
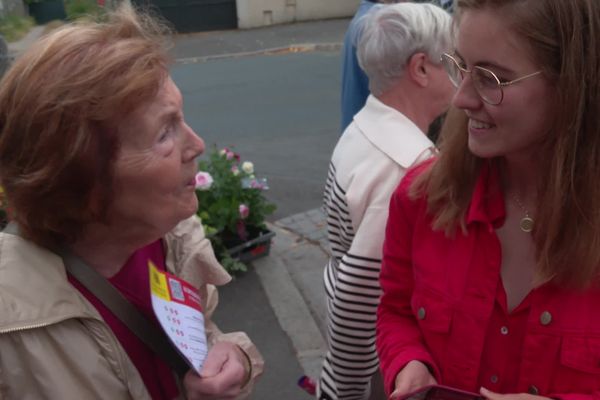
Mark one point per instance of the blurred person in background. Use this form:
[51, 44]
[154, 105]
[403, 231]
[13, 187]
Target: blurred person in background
[97, 162]
[400, 50]
[355, 83]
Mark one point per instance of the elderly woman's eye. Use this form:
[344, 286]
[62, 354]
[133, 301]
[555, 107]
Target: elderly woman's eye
[166, 133]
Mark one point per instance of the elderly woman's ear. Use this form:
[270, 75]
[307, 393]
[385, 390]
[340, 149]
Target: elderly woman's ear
[418, 69]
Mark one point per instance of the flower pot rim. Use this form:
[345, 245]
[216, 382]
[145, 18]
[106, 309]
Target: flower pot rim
[264, 236]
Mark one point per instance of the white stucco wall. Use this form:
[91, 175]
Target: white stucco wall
[14, 7]
[255, 13]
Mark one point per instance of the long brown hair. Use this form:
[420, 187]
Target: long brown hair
[59, 107]
[567, 228]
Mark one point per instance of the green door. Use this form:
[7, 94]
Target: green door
[196, 15]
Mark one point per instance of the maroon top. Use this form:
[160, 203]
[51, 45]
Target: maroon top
[133, 282]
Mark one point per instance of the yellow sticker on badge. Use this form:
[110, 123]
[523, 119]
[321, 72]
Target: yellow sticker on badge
[158, 282]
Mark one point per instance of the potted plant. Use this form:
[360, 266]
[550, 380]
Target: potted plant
[233, 208]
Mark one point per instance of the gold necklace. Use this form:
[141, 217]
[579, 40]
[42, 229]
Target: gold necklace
[526, 223]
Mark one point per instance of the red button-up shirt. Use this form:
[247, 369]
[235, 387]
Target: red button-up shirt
[444, 304]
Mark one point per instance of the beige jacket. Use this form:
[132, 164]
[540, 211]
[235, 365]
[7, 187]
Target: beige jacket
[55, 345]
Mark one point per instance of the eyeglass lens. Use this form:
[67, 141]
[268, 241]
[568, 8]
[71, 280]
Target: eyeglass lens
[486, 84]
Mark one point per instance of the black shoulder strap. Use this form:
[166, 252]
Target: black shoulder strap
[156, 340]
[147, 332]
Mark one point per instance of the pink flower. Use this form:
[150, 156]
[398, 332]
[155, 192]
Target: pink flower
[235, 170]
[244, 211]
[203, 180]
[228, 154]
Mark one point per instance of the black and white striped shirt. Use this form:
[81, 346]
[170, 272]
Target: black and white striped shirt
[367, 165]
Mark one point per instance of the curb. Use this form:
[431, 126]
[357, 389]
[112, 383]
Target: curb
[297, 48]
[287, 294]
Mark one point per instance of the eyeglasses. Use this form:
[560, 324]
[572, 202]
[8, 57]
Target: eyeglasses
[486, 83]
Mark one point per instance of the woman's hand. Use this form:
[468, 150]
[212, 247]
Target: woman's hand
[413, 376]
[224, 374]
[514, 396]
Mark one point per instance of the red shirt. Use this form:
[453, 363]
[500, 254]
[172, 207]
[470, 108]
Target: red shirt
[133, 282]
[444, 304]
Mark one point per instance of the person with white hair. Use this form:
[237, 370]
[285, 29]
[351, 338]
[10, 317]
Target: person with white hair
[400, 51]
[355, 83]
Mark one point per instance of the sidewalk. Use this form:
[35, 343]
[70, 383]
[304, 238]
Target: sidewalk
[296, 37]
[292, 277]
[16, 48]
[205, 46]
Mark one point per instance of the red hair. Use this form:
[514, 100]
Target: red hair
[60, 104]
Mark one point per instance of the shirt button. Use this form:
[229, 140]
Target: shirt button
[494, 378]
[504, 330]
[545, 318]
[421, 313]
[533, 390]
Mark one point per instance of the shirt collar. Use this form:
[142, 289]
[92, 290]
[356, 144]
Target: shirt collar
[487, 202]
[392, 132]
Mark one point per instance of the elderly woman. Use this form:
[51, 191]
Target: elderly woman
[96, 159]
[400, 50]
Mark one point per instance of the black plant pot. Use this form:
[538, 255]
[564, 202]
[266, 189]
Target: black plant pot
[258, 245]
[47, 10]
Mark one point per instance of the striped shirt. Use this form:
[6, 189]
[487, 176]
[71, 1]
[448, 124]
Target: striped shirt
[367, 164]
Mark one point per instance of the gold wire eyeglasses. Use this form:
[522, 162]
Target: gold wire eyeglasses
[486, 83]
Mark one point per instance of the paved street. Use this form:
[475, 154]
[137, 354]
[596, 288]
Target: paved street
[279, 111]
[273, 95]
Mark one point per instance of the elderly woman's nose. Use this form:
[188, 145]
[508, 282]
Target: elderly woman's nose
[194, 144]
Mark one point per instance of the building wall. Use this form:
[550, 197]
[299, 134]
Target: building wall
[255, 13]
[15, 7]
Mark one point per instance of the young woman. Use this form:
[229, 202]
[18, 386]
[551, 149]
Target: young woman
[492, 251]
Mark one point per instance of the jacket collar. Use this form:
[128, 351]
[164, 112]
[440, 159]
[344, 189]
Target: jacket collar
[190, 256]
[33, 287]
[392, 132]
[487, 202]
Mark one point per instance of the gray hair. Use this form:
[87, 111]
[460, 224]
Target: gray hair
[393, 33]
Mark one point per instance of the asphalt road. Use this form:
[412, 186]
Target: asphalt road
[282, 113]
[279, 111]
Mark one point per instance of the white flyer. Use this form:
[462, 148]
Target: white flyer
[177, 307]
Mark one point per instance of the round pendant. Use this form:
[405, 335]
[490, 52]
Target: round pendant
[526, 224]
